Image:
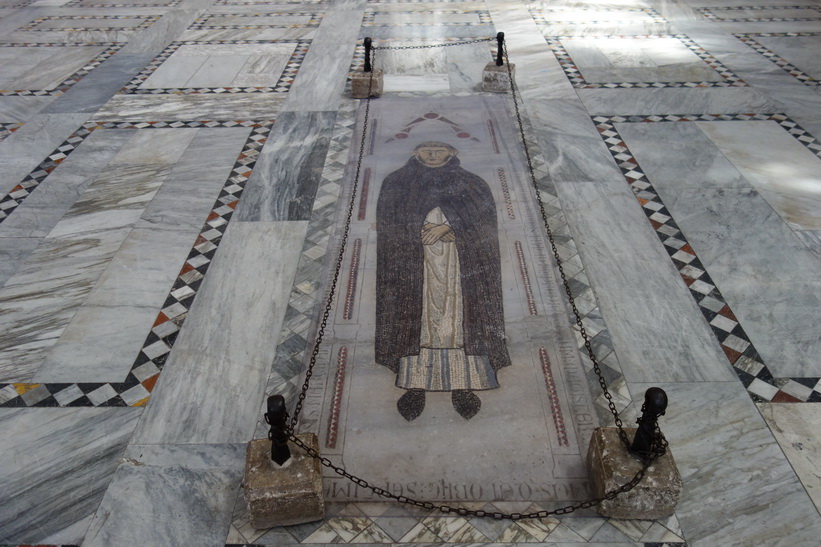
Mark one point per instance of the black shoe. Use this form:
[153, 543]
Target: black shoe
[466, 403]
[411, 404]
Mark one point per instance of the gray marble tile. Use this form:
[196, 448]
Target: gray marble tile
[21, 109]
[657, 329]
[285, 178]
[61, 464]
[339, 27]
[321, 79]
[739, 489]
[13, 252]
[54, 197]
[23, 150]
[157, 37]
[213, 383]
[251, 106]
[715, 100]
[750, 255]
[158, 481]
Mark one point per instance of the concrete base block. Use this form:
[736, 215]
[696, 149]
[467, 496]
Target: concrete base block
[496, 78]
[360, 81]
[611, 466]
[283, 495]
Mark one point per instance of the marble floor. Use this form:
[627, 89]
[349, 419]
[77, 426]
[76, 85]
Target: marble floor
[175, 175]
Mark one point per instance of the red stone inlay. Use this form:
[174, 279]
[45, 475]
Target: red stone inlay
[531, 303]
[555, 408]
[336, 403]
[353, 275]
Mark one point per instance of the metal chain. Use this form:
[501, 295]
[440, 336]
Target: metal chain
[428, 46]
[660, 444]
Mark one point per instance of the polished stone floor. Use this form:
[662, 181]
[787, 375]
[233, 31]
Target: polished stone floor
[175, 178]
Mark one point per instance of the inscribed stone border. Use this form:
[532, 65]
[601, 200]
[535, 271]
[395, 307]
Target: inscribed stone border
[748, 364]
[710, 14]
[792, 70]
[145, 371]
[729, 79]
[111, 49]
[283, 85]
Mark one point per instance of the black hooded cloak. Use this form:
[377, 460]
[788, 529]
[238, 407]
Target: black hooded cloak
[407, 196]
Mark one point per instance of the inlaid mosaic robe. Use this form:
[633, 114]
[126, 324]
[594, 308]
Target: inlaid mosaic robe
[407, 197]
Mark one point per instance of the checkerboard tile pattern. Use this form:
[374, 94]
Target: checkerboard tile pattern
[712, 13]
[748, 364]
[205, 22]
[283, 85]
[542, 16]
[7, 129]
[795, 72]
[111, 49]
[729, 79]
[137, 387]
[147, 21]
[369, 16]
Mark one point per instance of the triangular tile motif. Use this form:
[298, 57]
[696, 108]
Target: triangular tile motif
[420, 534]
[795, 72]
[584, 527]
[564, 534]
[659, 534]
[610, 534]
[515, 533]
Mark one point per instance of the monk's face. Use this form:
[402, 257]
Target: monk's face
[433, 156]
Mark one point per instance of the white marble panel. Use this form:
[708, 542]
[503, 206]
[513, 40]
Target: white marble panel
[657, 329]
[715, 100]
[800, 51]
[796, 428]
[782, 169]
[155, 38]
[398, 83]
[739, 489]
[170, 495]
[219, 70]
[13, 251]
[424, 18]
[256, 106]
[21, 109]
[229, 20]
[61, 464]
[212, 35]
[321, 79]
[340, 28]
[214, 381]
[46, 68]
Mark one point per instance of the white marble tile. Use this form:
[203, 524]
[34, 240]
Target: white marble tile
[251, 106]
[43, 68]
[657, 329]
[155, 38]
[170, 495]
[61, 464]
[321, 79]
[715, 100]
[21, 109]
[340, 27]
[13, 251]
[214, 380]
[739, 489]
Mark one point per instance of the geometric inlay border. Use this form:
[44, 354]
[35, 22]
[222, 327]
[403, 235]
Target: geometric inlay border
[80, 4]
[709, 13]
[147, 21]
[144, 373]
[111, 49]
[368, 18]
[284, 83]
[792, 70]
[203, 22]
[541, 19]
[7, 129]
[747, 363]
[729, 79]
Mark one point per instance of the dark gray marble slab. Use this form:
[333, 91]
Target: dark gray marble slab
[285, 179]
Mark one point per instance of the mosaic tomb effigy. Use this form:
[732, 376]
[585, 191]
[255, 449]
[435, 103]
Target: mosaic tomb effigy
[449, 371]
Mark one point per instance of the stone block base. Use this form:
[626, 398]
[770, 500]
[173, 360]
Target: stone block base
[496, 78]
[611, 466]
[361, 80]
[283, 495]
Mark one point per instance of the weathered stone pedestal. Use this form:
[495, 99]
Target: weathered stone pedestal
[283, 495]
[496, 78]
[611, 466]
[360, 81]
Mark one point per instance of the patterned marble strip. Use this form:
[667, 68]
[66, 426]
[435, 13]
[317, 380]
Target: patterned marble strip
[577, 79]
[7, 129]
[795, 72]
[336, 402]
[747, 363]
[492, 132]
[542, 15]
[370, 15]
[710, 13]
[137, 387]
[146, 4]
[111, 49]
[147, 21]
[315, 19]
[531, 302]
[555, 407]
[363, 198]
[353, 276]
[506, 192]
[282, 86]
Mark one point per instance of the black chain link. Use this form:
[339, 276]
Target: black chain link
[660, 443]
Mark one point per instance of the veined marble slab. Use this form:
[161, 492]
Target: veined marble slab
[191, 489]
[285, 178]
[340, 27]
[657, 329]
[213, 383]
[157, 37]
[251, 106]
[21, 109]
[800, 51]
[60, 466]
[715, 100]
[13, 251]
[212, 35]
[321, 78]
[22, 151]
[739, 489]
[43, 68]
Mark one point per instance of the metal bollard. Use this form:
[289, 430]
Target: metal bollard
[655, 404]
[368, 45]
[500, 39]
[275, 417]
